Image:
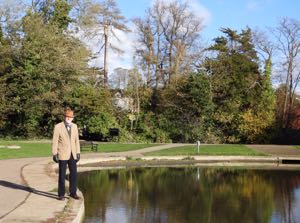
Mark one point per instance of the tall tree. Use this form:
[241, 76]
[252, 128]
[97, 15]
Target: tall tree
[45, 67]
[5, 67]
[61, 12]
[53, 11]
[5, 53]
[146, 52]
[102, 20]
[186, 108]
[119, 78]
[10, 14]
[235, 80]
[287, 35]
[134, 86]
[168, 36]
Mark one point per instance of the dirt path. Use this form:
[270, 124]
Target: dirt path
[277, 150]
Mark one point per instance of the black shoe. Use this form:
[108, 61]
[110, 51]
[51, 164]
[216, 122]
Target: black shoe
[74, 196]
[61, 198]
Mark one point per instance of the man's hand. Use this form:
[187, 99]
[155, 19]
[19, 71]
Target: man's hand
[78, 157]
[55, 158]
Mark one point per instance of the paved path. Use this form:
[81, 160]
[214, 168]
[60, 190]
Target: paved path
[13, 190]
[28, 193]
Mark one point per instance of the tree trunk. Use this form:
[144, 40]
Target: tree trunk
[170, 61]
[148, 74]
[105, 55]
[285, 103]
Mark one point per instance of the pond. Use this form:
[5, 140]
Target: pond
[187, 195]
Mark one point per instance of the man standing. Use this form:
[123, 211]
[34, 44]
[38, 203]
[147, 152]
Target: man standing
[66, 151]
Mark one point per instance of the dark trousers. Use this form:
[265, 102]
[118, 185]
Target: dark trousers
[62, 164]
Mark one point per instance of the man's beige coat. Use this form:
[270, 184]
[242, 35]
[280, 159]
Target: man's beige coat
[62, 144]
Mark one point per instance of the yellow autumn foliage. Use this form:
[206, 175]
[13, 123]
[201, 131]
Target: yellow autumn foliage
[253, 124]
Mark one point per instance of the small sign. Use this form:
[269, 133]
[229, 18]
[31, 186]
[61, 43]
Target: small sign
[131, 117]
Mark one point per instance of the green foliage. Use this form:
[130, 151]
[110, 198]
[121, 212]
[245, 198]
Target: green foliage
[258, 122]
[44, 68]
[186, 108]
[5, 67]
[88, 101]
[61, 14]
[161, 136]
[243, 97]
[146, 126]
[55, 12]
[101, 123]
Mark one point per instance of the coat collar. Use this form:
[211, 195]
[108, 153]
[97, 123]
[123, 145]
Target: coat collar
[64, 129]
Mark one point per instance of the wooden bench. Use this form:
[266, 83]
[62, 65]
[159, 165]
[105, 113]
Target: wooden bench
[93, 145]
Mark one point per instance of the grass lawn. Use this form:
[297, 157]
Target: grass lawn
[43, 148]
[28, 149]
[235, 150]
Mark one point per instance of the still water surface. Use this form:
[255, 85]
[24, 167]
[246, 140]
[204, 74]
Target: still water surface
[188, 195]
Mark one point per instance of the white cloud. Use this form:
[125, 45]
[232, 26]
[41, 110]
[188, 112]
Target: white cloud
[200, 11]
[126, 43]
[254, 5]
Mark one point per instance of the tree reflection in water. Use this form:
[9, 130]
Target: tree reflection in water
[179, 195]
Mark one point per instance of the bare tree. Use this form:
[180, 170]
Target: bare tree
[287, 35]
[181, 29]
[119, 78]
[146, 38]
[264, 47]
[133, 89]
[167, 37]
[11, 12]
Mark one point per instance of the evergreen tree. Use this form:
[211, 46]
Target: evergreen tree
[257, 124]
[61, 14]
[54, 12]
[235, 80]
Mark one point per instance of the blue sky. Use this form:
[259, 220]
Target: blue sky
[236, 14]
